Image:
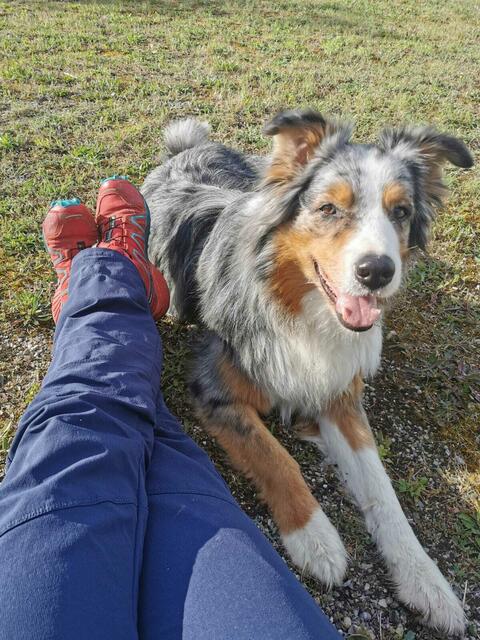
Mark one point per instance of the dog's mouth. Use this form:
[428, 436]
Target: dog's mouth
[357, 313]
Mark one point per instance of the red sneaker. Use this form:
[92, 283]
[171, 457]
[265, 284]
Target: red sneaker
[68, 228]
[123, 219]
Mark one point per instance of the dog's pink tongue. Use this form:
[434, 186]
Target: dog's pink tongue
[358, 311]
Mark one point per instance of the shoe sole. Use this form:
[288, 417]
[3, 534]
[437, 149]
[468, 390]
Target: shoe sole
[115, 177]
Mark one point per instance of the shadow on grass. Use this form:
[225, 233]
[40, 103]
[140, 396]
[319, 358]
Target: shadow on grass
[435, 327]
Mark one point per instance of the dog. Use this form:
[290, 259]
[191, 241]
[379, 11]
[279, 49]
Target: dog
[287, 262]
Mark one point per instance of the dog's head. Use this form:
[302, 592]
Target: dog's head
[350, 213]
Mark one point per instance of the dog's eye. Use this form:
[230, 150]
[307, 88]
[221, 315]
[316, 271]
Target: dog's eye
[328, 209]
[401, 212]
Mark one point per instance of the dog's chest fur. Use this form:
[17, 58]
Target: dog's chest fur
[304, 366]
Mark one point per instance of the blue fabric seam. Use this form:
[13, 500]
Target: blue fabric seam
[69, 364]
[193, 493]
[140, 486]
[60, 507]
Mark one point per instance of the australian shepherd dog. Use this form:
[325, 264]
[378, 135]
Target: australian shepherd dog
[287, 263]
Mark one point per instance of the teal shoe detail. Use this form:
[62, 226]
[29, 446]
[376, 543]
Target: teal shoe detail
[114, 177]
[65, 203]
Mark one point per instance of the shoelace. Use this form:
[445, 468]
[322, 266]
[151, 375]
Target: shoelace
[107, 229]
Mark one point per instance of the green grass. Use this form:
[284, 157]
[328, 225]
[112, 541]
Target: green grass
[412, 486]
[470, 531]
[86, 88]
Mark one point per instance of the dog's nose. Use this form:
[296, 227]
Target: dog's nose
[374, 271]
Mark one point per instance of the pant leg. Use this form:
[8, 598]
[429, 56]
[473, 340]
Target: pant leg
[73, 506]
[208, 572]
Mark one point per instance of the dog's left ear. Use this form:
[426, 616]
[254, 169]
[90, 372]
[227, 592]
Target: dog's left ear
[427, 145]
[425, 151]
[296, 135]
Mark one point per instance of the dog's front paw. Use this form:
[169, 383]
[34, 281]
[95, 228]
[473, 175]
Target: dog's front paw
[317, 549]
[421, 586]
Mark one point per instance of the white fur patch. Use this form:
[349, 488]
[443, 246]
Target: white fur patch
[305, 365]
[418, 581]
[317, 549]
[375, 233]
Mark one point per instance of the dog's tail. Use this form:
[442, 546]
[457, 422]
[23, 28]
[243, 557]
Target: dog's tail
[185, 134]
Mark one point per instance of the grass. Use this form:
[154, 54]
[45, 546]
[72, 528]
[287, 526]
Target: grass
[470, 531]
[412, 486]
[86, 88]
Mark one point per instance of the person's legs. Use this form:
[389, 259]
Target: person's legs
[73, 506]
[208, 572]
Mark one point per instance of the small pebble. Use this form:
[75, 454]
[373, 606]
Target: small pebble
[382, 603]
[393, 616]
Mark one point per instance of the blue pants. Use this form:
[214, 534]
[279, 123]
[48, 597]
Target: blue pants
[113, 523]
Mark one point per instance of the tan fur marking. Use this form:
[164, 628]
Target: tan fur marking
[394, 194]
[289, 284]
[260, 456]
[433, 180]
[294, 273]
[347, 413]
[404, 249]
[292, 149]
[242, 389]
[435, 157]
[306, 429]
[341, 194]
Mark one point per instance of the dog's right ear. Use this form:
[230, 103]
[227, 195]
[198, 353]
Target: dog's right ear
[296, 135]
[425, 151]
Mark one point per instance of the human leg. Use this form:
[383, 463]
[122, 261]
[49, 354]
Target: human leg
[73, 503]
[208, 572]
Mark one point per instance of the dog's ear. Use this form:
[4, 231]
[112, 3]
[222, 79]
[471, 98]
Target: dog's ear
[425, 151]
[296, 135]
[427, 145]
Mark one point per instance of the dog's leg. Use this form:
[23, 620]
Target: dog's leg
[308, 535]
[346, 438]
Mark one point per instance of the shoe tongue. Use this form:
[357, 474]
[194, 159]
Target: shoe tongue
[358, 311]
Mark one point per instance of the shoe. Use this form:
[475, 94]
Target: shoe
[123, 220]
[69, 227]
